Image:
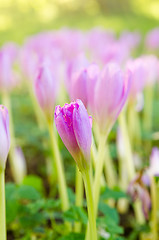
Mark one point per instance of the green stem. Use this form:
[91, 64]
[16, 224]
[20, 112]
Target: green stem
[38, 112]
[111, 176]
[122, 204]
[94, 154]
[130, 165]
[128, 150]
[79, 196]
[97, 180]
[148, 107]
[59, 168]
[2, 206]
[12, 153]
[134, 127]
[98, 172]
[90, 204]
[154, 208]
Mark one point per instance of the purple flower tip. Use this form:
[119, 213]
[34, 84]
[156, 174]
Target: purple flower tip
[74, 127]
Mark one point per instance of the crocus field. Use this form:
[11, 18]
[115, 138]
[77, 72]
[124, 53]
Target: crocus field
[79, 136]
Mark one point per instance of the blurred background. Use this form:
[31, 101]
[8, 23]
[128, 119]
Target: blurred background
[20, 18]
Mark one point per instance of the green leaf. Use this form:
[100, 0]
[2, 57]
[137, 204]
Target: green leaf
[73, 236]
[30, 221]
[27, 193]
[76, 214]
[109, 225]
[115, 194]
[35, 182]
[11, 202]
[71, 195]
[52, 204]
[110, 213]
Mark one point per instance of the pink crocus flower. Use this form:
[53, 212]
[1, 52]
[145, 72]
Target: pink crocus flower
[73, 66]
[7, 75]
[152, 39]
[151, 65]
[74, 127]
[4, 136]
[46, 90]
[137, 68]
[110, 95]
[83, 82]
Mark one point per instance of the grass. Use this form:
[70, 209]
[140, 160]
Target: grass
[17, 24]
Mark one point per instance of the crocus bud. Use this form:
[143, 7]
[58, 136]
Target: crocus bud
[111, 92]
[153, 169]
[45, 90]
[20, 165]
[4, 136]
[154, 162]
[73, 125]
[137, 190]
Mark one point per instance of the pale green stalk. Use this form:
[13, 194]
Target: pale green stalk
[79, 196]
[134, 127]
[148, 108]
[110, 173]
[154, 223]
[90, 204]
[2, 206]
[38, 112]
[122, 204]
[94, 154]
[130, 164]
[12, 153]
[51, 172]
[97, 179]
[111, 176]
[59, 168]
[128, 151]
[98, 172]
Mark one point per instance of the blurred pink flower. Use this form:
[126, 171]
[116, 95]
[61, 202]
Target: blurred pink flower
[4, 136]
[110, 94]
[151, 65]
[137, 68]
[46, 88]
[8, 77]
[152, 39]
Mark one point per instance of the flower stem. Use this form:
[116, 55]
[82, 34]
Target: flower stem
[154, 208]
[59, 168]
[98, 172]
[79, 196]
[134, 126]
[2, 206]
[12, 154]
[90, 204]
[130, 165]
[148, 108]
[111, 176]
[98, 177]
[38, 112]
[126, 140]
